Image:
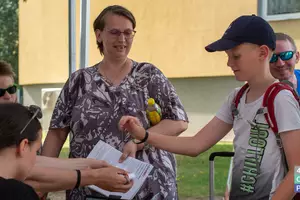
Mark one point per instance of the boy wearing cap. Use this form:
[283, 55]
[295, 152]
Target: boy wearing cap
[258, 169]
[282, 67]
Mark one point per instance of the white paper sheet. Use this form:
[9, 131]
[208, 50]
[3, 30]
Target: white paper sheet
[138, 170]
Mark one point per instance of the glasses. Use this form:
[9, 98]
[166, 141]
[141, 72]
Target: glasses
[127, 33]
[284, 56]
[36, 113]
[10, 90]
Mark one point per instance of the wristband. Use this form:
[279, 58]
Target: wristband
[78, 179]
[143, 140]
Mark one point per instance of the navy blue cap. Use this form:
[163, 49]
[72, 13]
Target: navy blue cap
[245, 29]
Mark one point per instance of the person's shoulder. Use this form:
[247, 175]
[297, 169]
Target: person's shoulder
[233, 93]
[82, 72]
[14, 189]
[296, 70]
[145, 67]
[90, 70]
[297, 73]
[10, 182]
[13, 183]
[230, 98]
[284, 93]
[285, 97]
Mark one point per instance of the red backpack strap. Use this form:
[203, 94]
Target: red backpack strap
[268, 102]
[237, 99]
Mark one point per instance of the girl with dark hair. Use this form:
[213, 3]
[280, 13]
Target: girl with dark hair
[49, 174]
[20, 139]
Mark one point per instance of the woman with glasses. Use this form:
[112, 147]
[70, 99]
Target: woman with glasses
[95, 98]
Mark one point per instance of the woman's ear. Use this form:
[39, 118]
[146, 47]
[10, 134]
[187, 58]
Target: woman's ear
[22, 147]
[98, 34]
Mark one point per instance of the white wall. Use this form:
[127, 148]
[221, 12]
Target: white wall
[202, 97]
[32, 94]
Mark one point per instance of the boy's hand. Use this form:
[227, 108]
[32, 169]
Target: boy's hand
[133, 126]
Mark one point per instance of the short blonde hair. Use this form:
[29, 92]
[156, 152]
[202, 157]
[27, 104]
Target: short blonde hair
[286, 37]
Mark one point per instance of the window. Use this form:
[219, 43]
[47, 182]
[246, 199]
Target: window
[272, 10]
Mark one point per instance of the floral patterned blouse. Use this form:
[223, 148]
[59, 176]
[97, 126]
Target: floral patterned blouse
[92, 108]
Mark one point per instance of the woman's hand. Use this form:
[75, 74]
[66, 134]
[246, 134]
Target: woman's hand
[133, 126]
[95, 164]
[112, 179]
[129, 150]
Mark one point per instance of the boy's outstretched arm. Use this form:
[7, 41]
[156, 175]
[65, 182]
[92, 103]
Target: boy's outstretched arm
[213, 132]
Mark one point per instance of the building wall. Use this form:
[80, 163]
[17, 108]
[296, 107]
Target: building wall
[43, 41]
[170, 34]
[202, 98]
[289, 27]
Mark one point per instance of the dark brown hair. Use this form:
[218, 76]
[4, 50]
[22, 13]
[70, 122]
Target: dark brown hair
[283, 36]
[6, 69]
[13, 119]
[99, 22]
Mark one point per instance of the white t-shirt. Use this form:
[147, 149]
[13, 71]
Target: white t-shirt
[257, 165]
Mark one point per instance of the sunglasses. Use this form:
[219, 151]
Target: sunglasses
[284, 56]
[11, 90]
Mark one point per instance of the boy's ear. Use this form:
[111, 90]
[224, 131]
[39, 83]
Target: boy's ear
[265, 52]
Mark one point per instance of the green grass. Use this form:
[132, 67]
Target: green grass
[193, 173]
[64, 153]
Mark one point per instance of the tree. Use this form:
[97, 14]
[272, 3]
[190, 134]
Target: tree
[9, 32]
